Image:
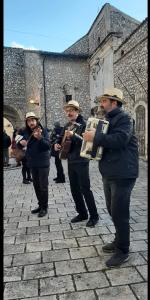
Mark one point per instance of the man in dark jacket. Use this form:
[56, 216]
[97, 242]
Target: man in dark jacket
[78, 167]
[59, 167]
[36, 139]
[6, 145]
[119, 170]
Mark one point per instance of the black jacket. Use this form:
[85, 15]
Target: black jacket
[74, 154]
[120, 155]
[6, 140]
[38, 151]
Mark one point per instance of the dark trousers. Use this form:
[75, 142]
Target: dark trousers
[26, 173]
[59, 167]
[80, 189]
[117, 194]
[40, 183]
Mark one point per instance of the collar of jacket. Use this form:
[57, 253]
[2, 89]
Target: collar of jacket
[113, 112]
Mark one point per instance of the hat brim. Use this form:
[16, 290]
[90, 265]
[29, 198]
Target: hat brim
[112, 98]
[73, 106]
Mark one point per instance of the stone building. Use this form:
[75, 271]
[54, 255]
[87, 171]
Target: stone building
[112, 53]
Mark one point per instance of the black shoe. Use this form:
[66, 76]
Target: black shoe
[60, 180]
[55, 178]
[36, 210]
[30, 179]
[117, 259]
[79, 219]
[92, 222]
[25, 181]
[42, 212]
[110, 247]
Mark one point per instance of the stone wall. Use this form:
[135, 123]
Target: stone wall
[80, 47]
[130, 75]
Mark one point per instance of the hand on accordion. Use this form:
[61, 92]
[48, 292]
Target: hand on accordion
[88, 135]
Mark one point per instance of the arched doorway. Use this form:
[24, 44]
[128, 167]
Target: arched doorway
[140, 128]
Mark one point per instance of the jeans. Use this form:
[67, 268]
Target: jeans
[40, 183]
[117, 195]
[80, 189]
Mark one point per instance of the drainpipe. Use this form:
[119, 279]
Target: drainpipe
[44, 89]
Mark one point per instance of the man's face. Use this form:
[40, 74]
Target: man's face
[71, 113]
[107, 105]
[32, 123]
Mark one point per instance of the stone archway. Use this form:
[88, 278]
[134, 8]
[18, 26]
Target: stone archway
[14, 116]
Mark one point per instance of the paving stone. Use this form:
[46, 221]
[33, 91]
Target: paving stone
[55, 255]
[141, 290]
[69, 267]
[41, 298]
[144, 254]
[27, 259]
[97, 230]
[12, 274]
[18, 219]
[14, 290]
[118, 293]
[87, 295]
[123, 276]
[26, 238]
[49, 222]
[9, 239]
[53, 285]
[143, 270]
[90, 240]
[7, 260]
[139, 226]
[38, 271]
[11, 225]
[28, 224]
[51, 236]
[138, 246]
[82, 252]
[95, 263]
[59, 227]
[39, 246]
[92, 280]
[66, 243]
[18, 231]
[13, 249]
[138, 235]
[37, 229]
[75, 233]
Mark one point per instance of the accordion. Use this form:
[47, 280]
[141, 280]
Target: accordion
[88, 150]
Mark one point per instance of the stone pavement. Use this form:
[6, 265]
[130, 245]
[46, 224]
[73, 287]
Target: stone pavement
[50, 258]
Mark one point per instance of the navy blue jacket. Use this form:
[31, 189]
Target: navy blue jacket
[76, 142]
[120, 155]
[38, 151]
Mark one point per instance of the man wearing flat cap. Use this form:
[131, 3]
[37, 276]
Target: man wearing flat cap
[78, 167]
[36, 139]
[119, 170]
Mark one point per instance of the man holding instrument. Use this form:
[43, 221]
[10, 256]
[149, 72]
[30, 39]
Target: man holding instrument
[36, 139]
[119, 170]
[78, 167]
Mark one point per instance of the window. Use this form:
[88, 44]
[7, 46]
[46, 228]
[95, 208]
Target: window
[68, 98]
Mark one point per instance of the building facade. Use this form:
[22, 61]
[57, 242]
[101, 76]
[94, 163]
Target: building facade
[112, 53]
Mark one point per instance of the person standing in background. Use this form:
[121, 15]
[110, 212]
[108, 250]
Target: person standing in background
[6, 145]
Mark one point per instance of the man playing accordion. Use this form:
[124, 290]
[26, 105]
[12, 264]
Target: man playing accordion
[119, 170]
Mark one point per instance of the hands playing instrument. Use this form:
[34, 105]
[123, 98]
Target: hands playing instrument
[68, 133]
[88, 135]
[57, 147]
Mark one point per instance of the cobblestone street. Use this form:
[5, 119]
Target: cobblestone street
[51, 259]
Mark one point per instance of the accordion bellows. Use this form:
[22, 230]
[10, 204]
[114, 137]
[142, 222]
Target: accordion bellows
[88, 150]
